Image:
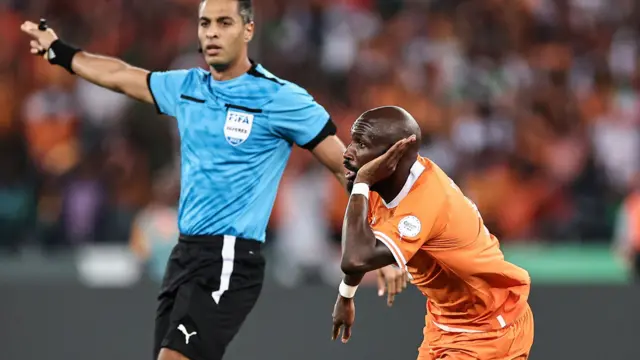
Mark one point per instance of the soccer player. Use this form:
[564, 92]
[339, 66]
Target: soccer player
[404, 209]
[237, 124]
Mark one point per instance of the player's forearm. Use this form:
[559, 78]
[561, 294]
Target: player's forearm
[357, 238]
[353, 279]
[359, 251]
[113, 74]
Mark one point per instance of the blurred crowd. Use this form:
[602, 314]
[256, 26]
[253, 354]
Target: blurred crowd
[532, 106]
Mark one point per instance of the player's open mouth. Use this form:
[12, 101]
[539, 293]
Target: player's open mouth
[351, 173]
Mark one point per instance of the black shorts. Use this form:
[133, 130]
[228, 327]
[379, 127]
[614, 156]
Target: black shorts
[210, 286]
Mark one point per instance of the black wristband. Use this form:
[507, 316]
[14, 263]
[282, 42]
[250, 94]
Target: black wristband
[62, 54]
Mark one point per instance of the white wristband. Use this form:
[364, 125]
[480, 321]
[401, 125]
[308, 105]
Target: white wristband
[347, 291]
[360, 188]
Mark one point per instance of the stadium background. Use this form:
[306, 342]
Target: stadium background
[532, 106]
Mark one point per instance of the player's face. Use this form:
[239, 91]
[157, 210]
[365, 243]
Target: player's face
[364, 147]
[222, 33]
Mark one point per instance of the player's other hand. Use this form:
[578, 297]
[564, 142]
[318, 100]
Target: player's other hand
[393, 280]
[384, 165]
[344, 314]
[42, 40]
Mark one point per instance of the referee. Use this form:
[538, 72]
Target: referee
[237, 124]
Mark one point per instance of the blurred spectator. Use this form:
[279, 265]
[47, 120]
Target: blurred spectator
[128, 171]
[302, 246]
[84, 203]
[51, 122]
[155, 228]
[627, 230]
[17, 193]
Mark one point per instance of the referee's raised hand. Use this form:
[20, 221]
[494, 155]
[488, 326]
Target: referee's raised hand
[42, 39]
[107, 72]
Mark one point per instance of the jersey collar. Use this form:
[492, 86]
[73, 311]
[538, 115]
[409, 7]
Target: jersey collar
[416, 170]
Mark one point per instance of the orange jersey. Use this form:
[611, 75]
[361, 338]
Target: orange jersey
[438, 235]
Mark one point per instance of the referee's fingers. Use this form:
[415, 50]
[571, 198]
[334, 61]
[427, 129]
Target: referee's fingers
[30, 28]
[36, 45]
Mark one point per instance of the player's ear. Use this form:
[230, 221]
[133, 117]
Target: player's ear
[248, 31]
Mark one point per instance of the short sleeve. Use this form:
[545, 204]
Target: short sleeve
[298, 118]
[411, 226]
[165, 89]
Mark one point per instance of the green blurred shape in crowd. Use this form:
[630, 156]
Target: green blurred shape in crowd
[568, 264]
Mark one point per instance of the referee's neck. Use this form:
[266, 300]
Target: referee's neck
[234, 70]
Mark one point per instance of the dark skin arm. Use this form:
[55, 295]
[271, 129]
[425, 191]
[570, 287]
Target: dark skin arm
[364, 253]
[329, 152]
[361, 251]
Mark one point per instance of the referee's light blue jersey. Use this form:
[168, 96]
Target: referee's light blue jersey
[236, 137]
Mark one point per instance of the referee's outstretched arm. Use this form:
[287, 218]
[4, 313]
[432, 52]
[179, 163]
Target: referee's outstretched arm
[111, 73]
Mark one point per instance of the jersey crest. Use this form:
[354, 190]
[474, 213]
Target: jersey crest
[409, 226]
[237, 127]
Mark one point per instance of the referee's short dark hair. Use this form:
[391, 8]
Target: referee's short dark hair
[245, 9]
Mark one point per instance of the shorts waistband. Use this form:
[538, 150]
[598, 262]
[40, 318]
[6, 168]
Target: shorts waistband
[218, 241]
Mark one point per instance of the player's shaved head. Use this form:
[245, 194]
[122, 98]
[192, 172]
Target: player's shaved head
[387, 124]
[375, 132]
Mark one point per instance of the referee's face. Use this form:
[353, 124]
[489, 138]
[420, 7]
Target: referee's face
[222, 33]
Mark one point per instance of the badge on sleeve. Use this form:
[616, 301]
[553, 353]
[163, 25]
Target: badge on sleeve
[409, 226]
[237, 127]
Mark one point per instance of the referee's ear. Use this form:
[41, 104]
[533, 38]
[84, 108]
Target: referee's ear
[248, 31]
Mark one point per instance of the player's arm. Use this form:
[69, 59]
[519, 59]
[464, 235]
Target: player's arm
[391, 279]
[361, 251]
[110, 73]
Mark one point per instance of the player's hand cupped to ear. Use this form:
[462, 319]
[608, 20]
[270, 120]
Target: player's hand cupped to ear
[344, 314]
[393, 280]
[42, 39]
[384, 165]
